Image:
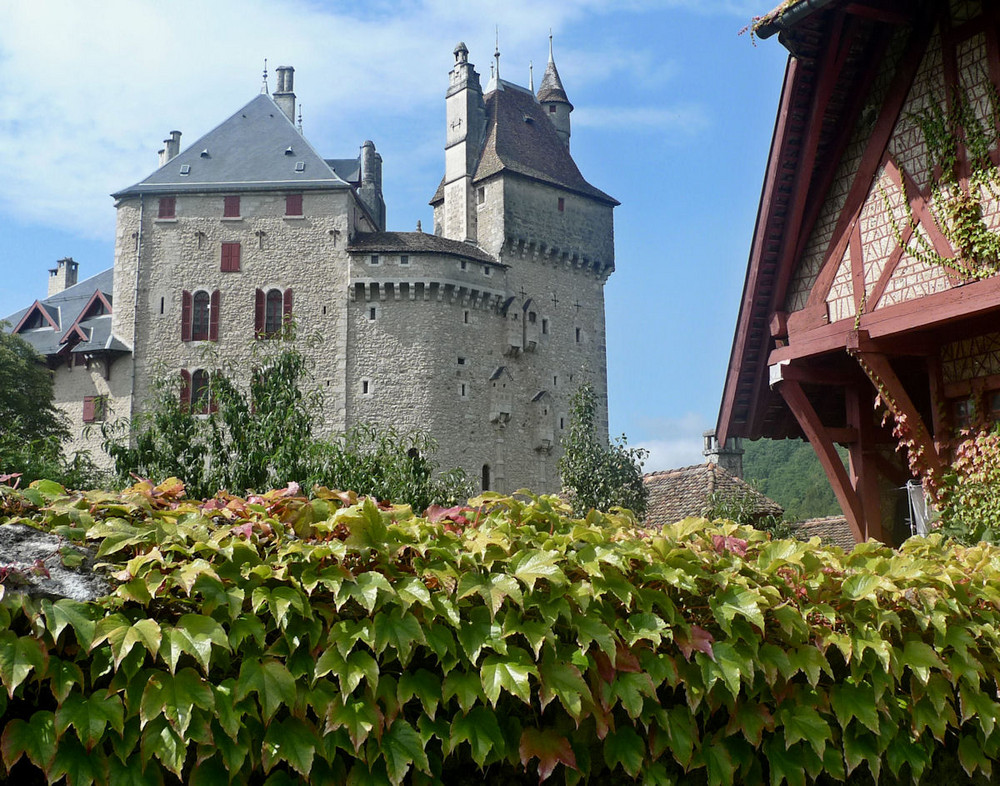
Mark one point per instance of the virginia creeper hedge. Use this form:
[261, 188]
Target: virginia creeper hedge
[281, 639]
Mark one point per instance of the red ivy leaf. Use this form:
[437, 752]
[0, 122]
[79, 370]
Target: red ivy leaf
[549, 747]
[729, 543]
[625, 660]
[699, 641]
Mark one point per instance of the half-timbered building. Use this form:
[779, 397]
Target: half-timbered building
[871, 287]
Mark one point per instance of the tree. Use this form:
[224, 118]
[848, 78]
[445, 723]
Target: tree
[260, 436]
[596, 473]
[33, 428]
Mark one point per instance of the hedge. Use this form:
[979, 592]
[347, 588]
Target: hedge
[280, 639]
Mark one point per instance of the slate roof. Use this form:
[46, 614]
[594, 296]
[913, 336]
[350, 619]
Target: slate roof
[66, 309]
[833, 530]
[676, 494]
[417, 243]
[551, 88]
[521, 139]
[257, 148]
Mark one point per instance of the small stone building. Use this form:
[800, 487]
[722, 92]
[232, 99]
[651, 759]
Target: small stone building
[477, 334]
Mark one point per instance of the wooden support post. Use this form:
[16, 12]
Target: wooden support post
[815, 432]
[863, 453]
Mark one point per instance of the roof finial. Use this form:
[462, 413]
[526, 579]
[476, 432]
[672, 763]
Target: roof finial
[550, 46]
[263, 88]
[531, 76]
[300, 117]
[496, 54]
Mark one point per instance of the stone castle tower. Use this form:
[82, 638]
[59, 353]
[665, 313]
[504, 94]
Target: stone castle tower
[477, 334]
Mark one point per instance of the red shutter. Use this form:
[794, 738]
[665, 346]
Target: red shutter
[231, 207]
[213, 316]
[258, 314]
[293, 205]
[236, 257]
[288, 307]
[168, 207]
[186, 316]
[230, 257]
[185, 390]
[224, 267]
[88, 409]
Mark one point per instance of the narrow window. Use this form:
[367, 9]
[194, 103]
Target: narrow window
[167, 207]
[562, 204]
[272, 313]
[293, 204]
[555, 380]
[461, 361]
[162, 304]
[486, 477]
[230, 257]
[365, 387]
[532, 317]
[464, 265]
[199, 392]
[552, 109]
[578, 335]
[373, 259]
[404, 259]
[462, 391]
[465, 317]
[480, 195]
[324, 311]
[545, 327]
[200, 316]
[486, 270]
[231, 207]
[562, 423]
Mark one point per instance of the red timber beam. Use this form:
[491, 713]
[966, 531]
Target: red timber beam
[872, 157]
[864, 460]
[819, 437]
[879, 370]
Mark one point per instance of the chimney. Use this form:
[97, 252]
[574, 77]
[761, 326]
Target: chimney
[370, 190]
[728, 456]
[171, 147]
[284, 96]
[62, 276]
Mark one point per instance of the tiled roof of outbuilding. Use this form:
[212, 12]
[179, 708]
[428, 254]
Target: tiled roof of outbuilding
[521, 139]
[416, 243]
[256, 148]
[676, 494]
[832, 529]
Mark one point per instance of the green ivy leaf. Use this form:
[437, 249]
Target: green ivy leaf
[412, 590]
[89, 716]
[921, 658]
[624, 747]
[467, 687]
[175, 696]
[565, 681]
[366, 588]
[19, 656]
[357, 717]
[78, 765]
[508, 672]
[400, 630]
[35, 738]
[291, 740]
[480, 729]
[160, 741]
[270, 680]
[63, 675]
[402, 749]
[530, 565]
[802, 722]
[735, 602]
[423, 684]
[854, 701]
[494, 588]
[72, 613]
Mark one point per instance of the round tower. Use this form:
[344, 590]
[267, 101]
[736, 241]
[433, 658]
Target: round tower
[552, 97]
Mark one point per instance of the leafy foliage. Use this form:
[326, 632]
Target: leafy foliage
[262, 436]
[33, 427]
[787, 471]
[968, 496]
[742, 507]
[594, 473]
[277, 638]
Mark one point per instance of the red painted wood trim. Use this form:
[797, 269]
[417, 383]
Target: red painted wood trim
[880, 364]
[36, 306]
[259, 313]
[857, 270]
[874, 154]
[827, 454]
[213, 316]
[864, 475]
[185, 390]
[186, 303]
[286, 306]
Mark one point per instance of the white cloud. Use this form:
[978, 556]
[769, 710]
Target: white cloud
[684, 120]
[673, 442]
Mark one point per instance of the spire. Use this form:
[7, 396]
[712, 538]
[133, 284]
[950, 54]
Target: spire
[263, 88]
[551, 90]
[496, 53]
[531, 76]
[300, 118]
[494, 83]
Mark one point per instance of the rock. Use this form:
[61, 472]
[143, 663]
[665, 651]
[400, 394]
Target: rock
[37, 563]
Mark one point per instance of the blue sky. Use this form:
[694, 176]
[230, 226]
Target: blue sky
[674, 114]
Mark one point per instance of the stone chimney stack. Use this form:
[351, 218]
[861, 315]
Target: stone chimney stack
[63, 275]
[284, 95]
[370, 190]
[728, 456]
[171, 147]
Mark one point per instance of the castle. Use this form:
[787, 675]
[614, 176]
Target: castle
[478, 334]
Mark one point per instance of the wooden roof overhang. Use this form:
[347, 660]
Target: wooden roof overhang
[836, 51]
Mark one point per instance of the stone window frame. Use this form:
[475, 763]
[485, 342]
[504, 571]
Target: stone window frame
[367, 387]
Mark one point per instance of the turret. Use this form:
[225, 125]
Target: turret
[552, 97]
[370, 190]
[466, 125]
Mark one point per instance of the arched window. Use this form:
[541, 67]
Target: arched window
[486, 477]
[200, 392]
[200, 311]
[273, 312]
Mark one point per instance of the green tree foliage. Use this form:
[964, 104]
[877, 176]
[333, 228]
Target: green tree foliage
[597, 474]
[741, 507]
[32, 428]
[787, 471]
[968, 496]
[283, 639]
[262, 436]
